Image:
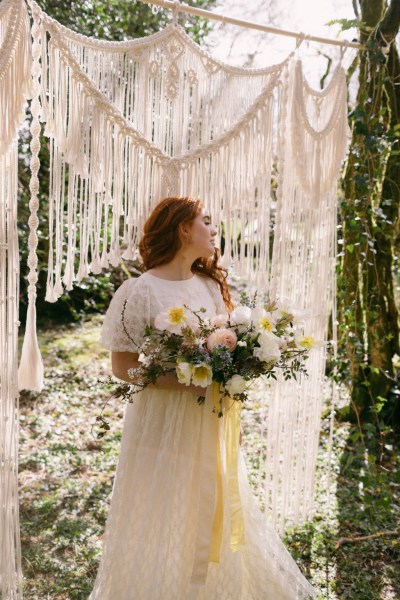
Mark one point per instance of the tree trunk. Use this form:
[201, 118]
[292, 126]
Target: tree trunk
[369, 332]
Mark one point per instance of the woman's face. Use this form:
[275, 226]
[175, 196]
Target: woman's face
[202, 235]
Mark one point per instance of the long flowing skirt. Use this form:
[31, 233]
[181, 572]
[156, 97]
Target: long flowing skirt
[157, 513]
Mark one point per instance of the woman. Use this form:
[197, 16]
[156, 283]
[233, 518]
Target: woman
[168, 534]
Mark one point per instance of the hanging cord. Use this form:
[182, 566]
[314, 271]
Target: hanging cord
[175, 12]
[343, 51]
[207, 14]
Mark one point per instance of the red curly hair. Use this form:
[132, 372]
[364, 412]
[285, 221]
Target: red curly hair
[161, 240]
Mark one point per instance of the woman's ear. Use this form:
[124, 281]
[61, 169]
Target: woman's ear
[184, 233]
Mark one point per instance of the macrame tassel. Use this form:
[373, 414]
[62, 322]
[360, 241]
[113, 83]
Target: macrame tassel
[30, 371]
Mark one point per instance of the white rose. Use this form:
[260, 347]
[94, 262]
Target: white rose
[202, 375]
[236, 385]
[269, 348]
[184, 371]
[241, 316]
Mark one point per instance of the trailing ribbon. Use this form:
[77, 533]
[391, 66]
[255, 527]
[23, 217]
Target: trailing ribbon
[211, 510]
[232, 410]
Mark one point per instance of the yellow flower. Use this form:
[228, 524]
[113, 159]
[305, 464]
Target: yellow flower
[265, 324]
[176, 315]
[202, 375]
[174, 319]
[307, 342]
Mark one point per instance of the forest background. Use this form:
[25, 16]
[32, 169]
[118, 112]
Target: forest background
[367, 366]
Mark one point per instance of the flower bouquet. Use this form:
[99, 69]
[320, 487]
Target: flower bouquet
[234, 350]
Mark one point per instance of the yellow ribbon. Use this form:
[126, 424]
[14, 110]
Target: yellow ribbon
[231, 409]
[209, 533]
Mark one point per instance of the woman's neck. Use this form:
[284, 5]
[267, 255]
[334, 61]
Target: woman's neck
[177, 269]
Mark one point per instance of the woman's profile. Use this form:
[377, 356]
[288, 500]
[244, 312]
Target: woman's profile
[160, 529]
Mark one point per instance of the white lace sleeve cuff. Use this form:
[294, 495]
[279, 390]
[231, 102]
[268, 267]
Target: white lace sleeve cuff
[136, 316]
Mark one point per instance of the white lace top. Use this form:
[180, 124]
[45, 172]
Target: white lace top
[146, 297]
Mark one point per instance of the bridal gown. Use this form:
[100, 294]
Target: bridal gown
[158, 532]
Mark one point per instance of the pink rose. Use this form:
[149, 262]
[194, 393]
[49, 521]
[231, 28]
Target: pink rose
[219, 320]
[222, 337]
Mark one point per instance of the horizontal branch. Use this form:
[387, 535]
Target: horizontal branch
[362, 538]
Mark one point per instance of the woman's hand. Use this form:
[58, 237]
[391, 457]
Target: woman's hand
[123, 361]
[170, 382]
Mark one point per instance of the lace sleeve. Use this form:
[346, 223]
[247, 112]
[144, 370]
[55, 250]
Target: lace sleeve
[136, 317]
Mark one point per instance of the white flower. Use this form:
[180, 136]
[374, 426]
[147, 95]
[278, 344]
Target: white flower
[241, 317]
[184, 371]
[269, 347]
[236, 385]
[174, 319]
[242, 343]
[265, 322]
[305, 342]
[219, 320]
[146, 360]
[202, 375]
[297, 316]
[257, 313]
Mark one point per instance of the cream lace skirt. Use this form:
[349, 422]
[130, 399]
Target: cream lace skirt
[158, 511]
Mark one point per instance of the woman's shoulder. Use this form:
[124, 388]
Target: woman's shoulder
[136, 282]
[214, 290]
[131, 289]
[209, 282]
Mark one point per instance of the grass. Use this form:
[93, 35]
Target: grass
[66, 478]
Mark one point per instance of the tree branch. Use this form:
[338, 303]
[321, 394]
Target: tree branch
[356, 11]
[362, 538]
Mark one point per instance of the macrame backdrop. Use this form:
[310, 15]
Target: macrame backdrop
[131, 122]
[15, 84]
[314, 141]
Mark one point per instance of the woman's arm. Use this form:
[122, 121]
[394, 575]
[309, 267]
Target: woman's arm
[122, 361]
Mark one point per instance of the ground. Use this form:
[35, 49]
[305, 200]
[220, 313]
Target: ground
[66, 477]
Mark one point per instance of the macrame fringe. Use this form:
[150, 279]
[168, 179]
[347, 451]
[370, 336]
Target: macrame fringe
[31, 366]
[15, 62]
[302, 275]
[132, 122]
